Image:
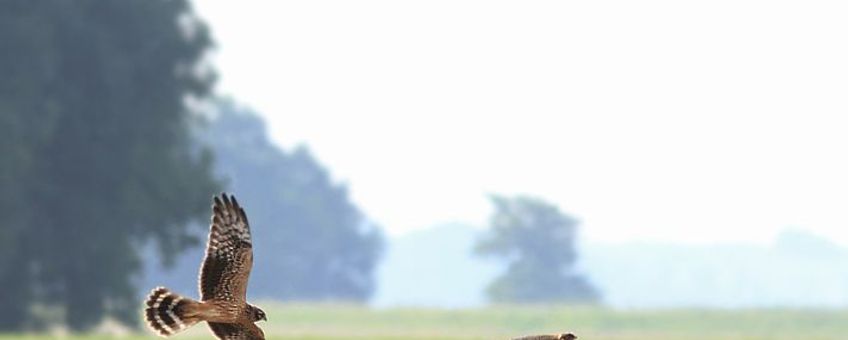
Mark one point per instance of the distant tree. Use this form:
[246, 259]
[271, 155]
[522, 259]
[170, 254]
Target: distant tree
[539, 242]
[97, 157]
[310, 241]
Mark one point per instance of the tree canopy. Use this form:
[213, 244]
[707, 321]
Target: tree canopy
[539, 242]
[310, 241]
[97, 156]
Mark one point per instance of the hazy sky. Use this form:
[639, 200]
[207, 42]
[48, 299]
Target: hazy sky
[690, 121]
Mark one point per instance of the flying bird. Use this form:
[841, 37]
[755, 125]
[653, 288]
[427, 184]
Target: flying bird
[223, 283]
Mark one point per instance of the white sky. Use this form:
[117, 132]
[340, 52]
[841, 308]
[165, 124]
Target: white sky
[683, 121]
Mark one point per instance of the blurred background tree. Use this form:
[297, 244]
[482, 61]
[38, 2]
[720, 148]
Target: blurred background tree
[311, 242]
[97, 156]
[539, 242]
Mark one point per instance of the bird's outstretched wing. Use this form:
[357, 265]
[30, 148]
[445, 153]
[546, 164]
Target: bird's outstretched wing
[229, 253]
[237, 331]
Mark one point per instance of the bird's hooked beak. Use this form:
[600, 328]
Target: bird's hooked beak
[264, 318]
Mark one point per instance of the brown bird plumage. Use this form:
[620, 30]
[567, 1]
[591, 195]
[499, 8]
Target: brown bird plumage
[223, 283]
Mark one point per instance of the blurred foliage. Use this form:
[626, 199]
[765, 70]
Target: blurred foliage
[311, 242]
[97, 156]
[539, 242]
[316, 244]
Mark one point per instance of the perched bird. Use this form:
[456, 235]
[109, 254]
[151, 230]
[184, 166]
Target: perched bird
[563, 336]
[223, 283]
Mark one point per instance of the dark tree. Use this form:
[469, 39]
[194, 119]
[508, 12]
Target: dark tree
[310, 241]
[539, 242]
[97, 156]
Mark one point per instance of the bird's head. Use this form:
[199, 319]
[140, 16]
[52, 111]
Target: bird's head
[567, 336]
[258, 314]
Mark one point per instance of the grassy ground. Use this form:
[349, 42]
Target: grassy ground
[311, 322]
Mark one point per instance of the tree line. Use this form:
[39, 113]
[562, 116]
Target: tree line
[105, 165]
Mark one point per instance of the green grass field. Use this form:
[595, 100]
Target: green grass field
[325, 322]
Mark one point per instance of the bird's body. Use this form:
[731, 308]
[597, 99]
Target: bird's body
[223, 283]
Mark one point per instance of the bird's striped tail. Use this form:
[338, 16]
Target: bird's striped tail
[168, 313]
